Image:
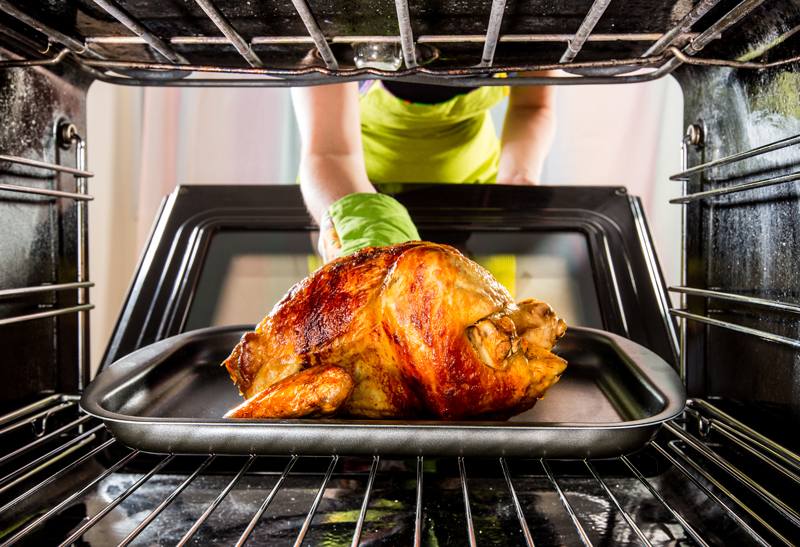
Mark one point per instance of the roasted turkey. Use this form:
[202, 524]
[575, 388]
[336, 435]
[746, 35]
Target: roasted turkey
[409, 331]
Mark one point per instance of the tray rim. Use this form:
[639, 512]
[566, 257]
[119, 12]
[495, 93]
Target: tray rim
[675, 402]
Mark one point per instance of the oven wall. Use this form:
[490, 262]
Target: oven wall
[746, 243]
[38, 234]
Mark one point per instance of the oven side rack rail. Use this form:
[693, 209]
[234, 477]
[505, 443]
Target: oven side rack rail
[67, 134]
[669, 51]
[689, 453]
[694, 137]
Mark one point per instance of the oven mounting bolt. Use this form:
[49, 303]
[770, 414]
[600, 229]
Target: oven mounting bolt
[694, 135]
[67, 132]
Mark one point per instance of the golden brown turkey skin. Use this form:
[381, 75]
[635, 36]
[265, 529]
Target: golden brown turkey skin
[422, 331]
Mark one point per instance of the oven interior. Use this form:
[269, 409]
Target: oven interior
[725, 473]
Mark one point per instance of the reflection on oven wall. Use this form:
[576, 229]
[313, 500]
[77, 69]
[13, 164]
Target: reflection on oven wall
[145, 141]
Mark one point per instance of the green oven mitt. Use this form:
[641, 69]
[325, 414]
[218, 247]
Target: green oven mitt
[364, 220]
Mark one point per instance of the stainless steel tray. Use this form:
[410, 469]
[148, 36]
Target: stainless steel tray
[170, 396]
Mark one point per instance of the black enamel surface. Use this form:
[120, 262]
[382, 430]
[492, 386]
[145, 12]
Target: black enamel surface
[746, 243]
[37, 233]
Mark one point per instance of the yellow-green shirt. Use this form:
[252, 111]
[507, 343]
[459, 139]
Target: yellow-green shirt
[449, 142]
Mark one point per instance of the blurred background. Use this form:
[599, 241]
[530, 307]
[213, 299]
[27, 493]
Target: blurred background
[143, 142]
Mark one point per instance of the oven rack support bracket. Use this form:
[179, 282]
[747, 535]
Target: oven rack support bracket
[67, 135]
[694, 137]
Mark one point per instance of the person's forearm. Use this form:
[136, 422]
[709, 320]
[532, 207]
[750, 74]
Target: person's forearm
[326, 178]
[332, 157]
[528, 132]
[528, 135]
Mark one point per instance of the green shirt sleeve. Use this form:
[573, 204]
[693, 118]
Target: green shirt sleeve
[370, 220]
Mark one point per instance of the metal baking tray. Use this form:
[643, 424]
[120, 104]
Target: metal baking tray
[170, 397]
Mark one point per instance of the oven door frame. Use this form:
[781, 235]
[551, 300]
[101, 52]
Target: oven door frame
[628, 278]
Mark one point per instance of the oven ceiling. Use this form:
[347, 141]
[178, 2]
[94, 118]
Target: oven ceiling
[626, 28]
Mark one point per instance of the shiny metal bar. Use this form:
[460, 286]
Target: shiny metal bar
[615, 501]
[566, 503]
[467, 510]
[316, 33]
[266, 502]
[157, 511]
[42, 315]
[30, 492]
[682, 336]
[44, 288]
[493, 32]
[423, 38]
[774, 448]
[738, 328]
[362, 515]
[745, 438]
[35, 62]
[42, 192]
[591, 19]
[685, 24]
[685, 525]
[299, 541]
[119, 499]
[55, 510]
[135, 26]
[241, 45]
[48, 463]
[211, 508]
[82, 263]
[716, 499]
[520, 515]
[771, 304]
[418, 511]
[737, 188]
[769, 498]
[33, 407]
[406, 34]
[41, 440]
[51, 456]
[30, 420]
[727, 21]
[423, 78]
[369, 71]
[46, 165]
[685, 173]
[732, 436]
[52, 34]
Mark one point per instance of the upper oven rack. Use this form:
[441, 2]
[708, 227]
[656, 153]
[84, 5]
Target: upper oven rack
[164, 65]
[708, 449]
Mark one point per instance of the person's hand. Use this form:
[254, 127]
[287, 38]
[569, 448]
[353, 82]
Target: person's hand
[518, 178]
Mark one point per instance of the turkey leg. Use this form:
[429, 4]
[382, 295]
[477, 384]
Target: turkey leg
[314, 392]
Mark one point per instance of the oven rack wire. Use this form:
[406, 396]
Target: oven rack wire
[674, 47]
[691, 446]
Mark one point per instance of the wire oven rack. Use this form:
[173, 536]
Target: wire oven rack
[708, 479]
[670, 49]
